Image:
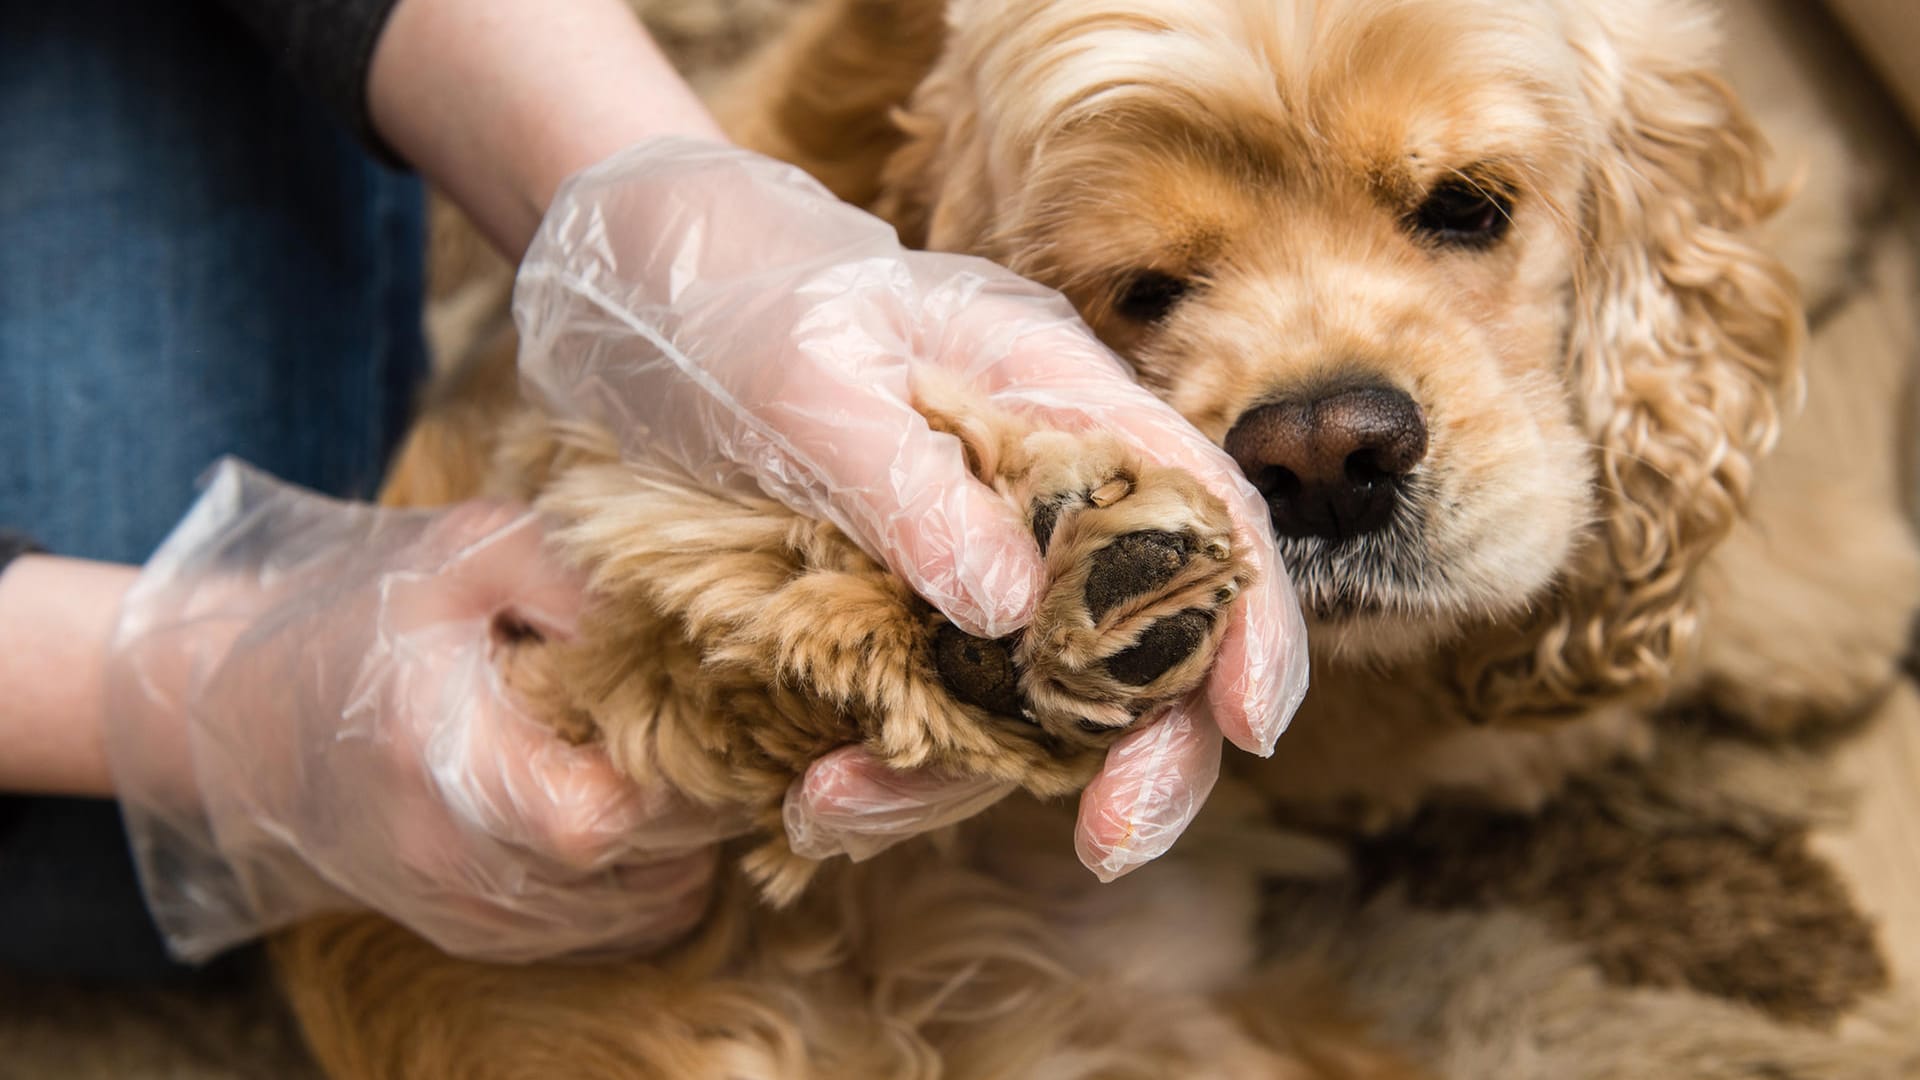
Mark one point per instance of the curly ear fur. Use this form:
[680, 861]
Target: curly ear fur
[1683, 346]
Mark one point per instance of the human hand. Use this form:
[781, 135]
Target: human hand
[735, 324]
[305, 714]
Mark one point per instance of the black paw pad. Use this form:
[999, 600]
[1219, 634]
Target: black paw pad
[1134, 565]
[1160, 647]
[978, 671]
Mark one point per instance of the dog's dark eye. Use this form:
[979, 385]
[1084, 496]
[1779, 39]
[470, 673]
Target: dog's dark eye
[1463, 214]
[1149, 295]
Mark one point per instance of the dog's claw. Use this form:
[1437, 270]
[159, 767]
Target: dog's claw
[1111, 492]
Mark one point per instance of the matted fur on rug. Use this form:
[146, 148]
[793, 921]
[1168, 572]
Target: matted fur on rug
[1688, 915]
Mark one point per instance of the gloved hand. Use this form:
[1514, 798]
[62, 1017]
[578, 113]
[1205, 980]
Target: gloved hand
[305, 715]
[734, 323]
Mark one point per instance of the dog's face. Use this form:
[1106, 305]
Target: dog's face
[1409, 262]
[1343, 251]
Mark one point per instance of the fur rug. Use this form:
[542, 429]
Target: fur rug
[1662, 920]
[1681, 916]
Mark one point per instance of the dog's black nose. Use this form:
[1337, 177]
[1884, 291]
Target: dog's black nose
[1331, 466]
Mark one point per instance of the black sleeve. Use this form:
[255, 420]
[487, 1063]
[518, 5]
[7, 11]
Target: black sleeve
[15, 544]
[327, 45]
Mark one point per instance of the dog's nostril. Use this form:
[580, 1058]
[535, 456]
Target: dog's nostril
[1331, 466]
[1276, 482]
[1363, 468]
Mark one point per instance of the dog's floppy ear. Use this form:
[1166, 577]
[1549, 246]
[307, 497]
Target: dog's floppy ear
[972, 126]
[1683, 349]
[935, 187]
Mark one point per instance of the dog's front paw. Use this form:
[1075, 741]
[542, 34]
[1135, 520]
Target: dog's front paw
[1141, 569]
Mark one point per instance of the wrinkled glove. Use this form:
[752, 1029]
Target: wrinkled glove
[305, 715]
[733, 323]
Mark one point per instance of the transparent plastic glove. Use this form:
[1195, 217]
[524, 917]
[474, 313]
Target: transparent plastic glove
[734, 323]
[1154, 782]
[306, 715]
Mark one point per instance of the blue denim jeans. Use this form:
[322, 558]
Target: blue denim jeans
[195, 260]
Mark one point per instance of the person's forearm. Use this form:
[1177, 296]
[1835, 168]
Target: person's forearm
[56, 617]
[498, 101]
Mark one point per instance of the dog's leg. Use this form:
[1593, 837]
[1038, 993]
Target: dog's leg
[732, 642]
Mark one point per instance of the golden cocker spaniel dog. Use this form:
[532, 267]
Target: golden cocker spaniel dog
[1470, 289]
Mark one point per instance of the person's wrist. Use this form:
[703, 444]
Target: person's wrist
[568, 157]
[55, 617]
[555, 171]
